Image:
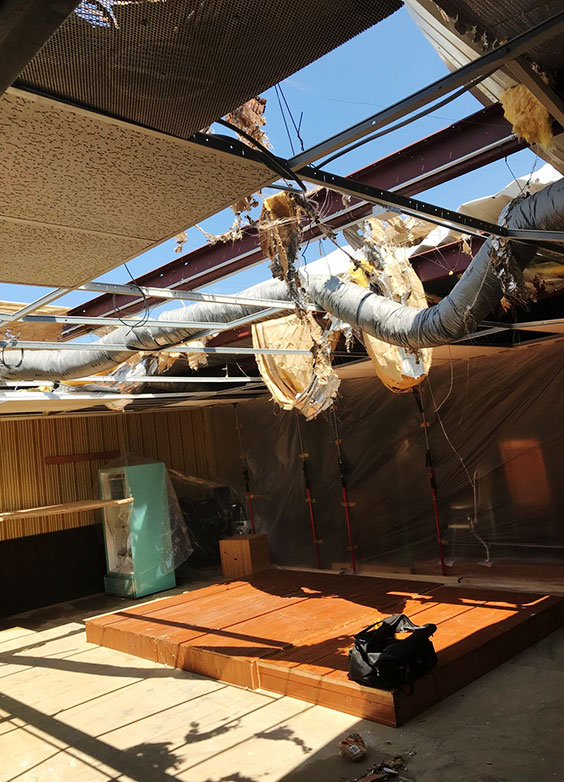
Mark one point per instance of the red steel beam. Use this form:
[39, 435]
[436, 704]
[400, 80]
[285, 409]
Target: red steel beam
[481, 138]
[443, 261]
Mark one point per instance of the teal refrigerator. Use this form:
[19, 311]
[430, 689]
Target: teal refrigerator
[139, 551]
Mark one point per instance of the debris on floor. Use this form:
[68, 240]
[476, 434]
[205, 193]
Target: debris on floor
[352, 747]
[385, 771]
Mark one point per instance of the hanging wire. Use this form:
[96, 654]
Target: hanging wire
[282, 169]
[297, 127]
[271, 161]
[374, 105]
[146, 309]
[424, 113]
[447, 438]
[521, 189]
[276, 90]
[451, 363]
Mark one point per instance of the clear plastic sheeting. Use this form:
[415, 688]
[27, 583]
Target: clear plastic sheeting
[168, 535]
[211, 511]
[497, 443]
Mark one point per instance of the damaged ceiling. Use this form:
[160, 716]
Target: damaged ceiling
[492, 22]
[92, 192]
[96, 122]
[156, 63]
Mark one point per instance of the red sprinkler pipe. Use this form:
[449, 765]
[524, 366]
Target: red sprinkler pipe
[309, 499]
[245, 472]
[432, 480]
[346, 504]
[313, 529]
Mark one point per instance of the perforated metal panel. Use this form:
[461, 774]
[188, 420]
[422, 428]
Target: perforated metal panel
[177, 65]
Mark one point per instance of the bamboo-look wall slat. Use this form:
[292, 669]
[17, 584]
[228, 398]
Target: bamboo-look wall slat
[182, 439]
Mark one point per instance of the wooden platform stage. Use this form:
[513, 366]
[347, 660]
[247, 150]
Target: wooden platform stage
[289, 632]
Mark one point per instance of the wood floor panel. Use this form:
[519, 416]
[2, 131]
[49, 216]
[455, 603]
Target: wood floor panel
[289, 632]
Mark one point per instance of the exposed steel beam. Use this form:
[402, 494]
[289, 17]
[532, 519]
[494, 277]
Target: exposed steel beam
[464, 146]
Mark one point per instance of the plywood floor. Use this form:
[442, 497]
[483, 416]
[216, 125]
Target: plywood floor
[289, 632]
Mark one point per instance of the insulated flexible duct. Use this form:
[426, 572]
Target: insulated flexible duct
[68, 364]
[471, 300]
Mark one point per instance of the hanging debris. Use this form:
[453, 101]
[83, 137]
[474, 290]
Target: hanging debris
[507, 270]
[397, 231]
[181, 240]
[250, 118]
[529, 118]
[197, 361]
[279, 236]
[306, 383]
[19, 329]
[385, 269]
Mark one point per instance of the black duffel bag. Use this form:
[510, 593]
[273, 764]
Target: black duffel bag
[378, 659]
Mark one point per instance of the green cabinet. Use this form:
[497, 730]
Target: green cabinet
[139, 551]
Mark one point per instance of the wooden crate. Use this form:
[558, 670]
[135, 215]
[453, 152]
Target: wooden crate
[242, 555]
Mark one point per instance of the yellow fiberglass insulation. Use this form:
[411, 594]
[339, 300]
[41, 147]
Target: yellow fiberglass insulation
[362, 273]
[529, 118]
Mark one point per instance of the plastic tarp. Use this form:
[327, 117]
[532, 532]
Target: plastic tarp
[174, 544]
[501, 413]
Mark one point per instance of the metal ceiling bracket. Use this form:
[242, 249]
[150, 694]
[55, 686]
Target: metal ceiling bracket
[410, 206]
[15, 344]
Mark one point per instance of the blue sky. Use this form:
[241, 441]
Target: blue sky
[373, 70]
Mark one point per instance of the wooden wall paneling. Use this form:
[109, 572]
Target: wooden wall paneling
[149, 437]
[200, 445]
[94, 433]
[175, 441]
[134, 434]
[9, 489]
[84, 471]
[122, 436]
[183, 439]
[67, 472]
[209, 444]
[163, 453]
[112, 437]
[30, 475]
[186, 427]
[46, 436]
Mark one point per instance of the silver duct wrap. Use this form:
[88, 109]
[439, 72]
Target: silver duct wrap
[68, 364]
[471, 300]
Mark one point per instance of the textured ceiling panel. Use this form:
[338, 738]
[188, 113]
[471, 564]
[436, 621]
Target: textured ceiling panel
[37, 254]
[80, 193]
[501, 20]
[176, 66]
